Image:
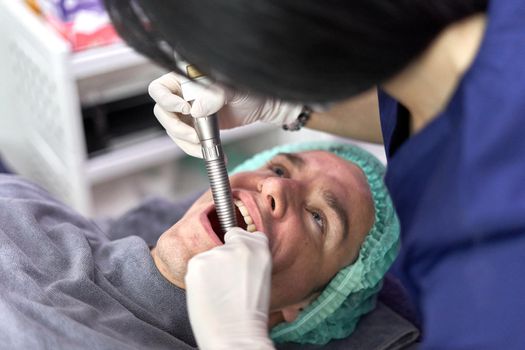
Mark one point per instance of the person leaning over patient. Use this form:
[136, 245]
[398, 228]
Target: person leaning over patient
[68, 286]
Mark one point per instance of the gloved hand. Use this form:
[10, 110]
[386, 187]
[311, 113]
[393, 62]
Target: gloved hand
[228, 293]
[234, 109]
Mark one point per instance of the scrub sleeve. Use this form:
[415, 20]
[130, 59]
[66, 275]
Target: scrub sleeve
[459, 190]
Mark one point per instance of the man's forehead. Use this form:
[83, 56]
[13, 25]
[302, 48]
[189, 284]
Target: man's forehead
[329, 171]
[324, 157]
[311, 158]
[331, 165]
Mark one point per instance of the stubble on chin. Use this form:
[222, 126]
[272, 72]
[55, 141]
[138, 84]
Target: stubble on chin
[177, 246]
[171, 267]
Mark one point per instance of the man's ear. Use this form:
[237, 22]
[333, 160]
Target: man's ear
[291, 312]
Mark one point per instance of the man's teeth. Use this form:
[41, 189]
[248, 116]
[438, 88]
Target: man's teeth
[247, 218]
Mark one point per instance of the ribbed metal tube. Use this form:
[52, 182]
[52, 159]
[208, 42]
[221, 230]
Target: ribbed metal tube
[221, 191]
[208, 132]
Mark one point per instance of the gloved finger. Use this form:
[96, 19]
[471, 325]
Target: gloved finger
[208, 100]
[166, 92]
[197, 267]
[195, 264]
[204, 262]
[237, 234]
[189, 148]
[176, 127]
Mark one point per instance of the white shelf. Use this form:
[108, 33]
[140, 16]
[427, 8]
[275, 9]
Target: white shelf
[104, 59]
[245, 131]
[130, 159]
[149, 153]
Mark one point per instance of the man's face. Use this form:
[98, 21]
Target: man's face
[314, 207]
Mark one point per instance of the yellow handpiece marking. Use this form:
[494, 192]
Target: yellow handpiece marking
[192, 72]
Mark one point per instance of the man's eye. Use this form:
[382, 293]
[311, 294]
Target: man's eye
[318, 218]
[278, 170]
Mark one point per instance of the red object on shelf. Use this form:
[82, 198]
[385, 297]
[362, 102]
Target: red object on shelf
[81, 40]
[84, 23]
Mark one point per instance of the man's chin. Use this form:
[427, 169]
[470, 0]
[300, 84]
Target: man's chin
[172, 268]
[178, 245]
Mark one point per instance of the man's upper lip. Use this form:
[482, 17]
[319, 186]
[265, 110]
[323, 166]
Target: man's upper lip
[253, 208]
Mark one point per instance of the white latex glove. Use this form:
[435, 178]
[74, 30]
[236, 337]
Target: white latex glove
[228, 293]
[234, 109]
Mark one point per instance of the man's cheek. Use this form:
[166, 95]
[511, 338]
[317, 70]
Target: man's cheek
[205, 198]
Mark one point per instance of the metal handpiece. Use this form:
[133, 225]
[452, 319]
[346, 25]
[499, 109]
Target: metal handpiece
[208, 132]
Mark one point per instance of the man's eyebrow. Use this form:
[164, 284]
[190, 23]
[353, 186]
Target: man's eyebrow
[296, 161]
[332, 201]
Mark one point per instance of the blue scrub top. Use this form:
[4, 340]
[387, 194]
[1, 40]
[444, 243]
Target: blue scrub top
[459, 189]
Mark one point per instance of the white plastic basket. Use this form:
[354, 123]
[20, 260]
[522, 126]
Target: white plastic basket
[40, 123]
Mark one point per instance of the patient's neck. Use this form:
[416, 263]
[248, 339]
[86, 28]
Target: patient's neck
[275, 318]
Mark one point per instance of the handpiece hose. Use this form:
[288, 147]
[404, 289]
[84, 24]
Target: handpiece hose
[208, 132]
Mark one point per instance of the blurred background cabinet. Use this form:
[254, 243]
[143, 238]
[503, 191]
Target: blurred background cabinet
[81, 124]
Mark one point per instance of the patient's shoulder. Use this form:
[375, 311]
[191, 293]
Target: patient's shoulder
[25, 206]
[17, 187]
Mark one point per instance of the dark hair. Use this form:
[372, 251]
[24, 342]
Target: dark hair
[297, 50]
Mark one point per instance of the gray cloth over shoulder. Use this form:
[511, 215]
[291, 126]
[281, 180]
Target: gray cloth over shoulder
[66, 285]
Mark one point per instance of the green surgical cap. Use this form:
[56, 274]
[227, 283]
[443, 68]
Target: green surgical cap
[352, 292]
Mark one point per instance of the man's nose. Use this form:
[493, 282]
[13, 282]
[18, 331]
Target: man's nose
[277, 193]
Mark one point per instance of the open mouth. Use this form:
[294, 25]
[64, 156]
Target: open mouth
[244, 220]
